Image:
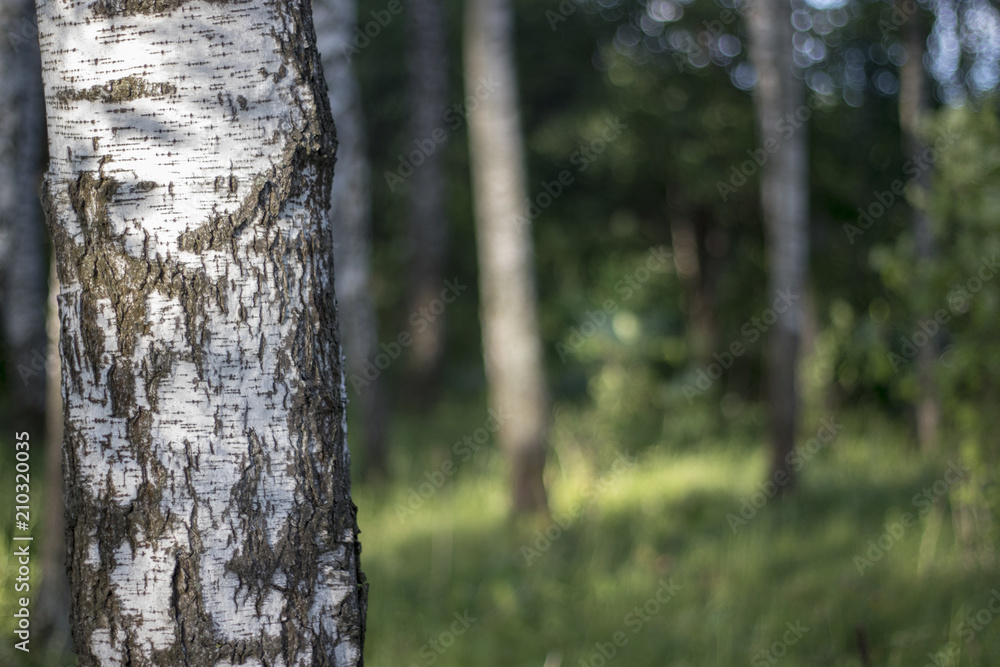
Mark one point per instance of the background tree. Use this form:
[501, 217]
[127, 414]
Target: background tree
[427, 65]
[22, 232]
[784, 195]
[914, 103]
[32, 360]
[336, 21]
[511, 344]
[209, 514]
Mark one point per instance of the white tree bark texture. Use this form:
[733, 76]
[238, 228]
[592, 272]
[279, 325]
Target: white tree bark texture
[209, 518]
[508, 300]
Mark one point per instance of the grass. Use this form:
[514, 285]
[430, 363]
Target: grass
[454, 581]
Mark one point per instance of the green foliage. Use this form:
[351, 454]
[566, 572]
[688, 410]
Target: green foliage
[666, 518]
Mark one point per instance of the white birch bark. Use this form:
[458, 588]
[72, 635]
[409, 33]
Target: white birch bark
[351, 214]
[785, 205]
[208, 494]
[508, 302]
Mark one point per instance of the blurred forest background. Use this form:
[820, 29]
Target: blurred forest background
[670, 343]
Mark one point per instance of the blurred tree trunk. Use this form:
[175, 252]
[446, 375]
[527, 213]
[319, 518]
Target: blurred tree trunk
[511, 342]
[785, 207]
[428, 224]
[33, 358]
[350, 214]
[914, 104]
[690, 237]
[22, 230]
[209, 517]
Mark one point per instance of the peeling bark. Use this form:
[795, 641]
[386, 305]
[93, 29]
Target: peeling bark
[508, 301]
[209, 519]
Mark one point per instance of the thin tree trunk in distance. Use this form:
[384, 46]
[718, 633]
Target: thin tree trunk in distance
[689, 236]
[785, 207]
[350, 214]
[209, 517]
[511, 342]
[428, 226]
[913, 107]
[22, 230]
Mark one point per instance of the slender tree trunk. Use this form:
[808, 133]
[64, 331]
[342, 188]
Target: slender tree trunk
[785, 207]
[22, 230]
[352, 225]
[689, 236]
[209, 519]
[511, 342]
[428, 225]
[913, 107]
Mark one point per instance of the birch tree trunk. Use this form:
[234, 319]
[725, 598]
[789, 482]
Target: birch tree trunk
[209, 519]
[785, 206]
[511, 341]
[352, 229]
[913, 107]
[428, 225]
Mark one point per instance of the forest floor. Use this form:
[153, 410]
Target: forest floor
[665, 548]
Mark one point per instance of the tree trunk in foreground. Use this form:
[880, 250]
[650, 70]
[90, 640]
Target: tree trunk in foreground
[511, 341]
[785, 206]
[428, 224]
[352, 229]
[209, 519]
[913, 107]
